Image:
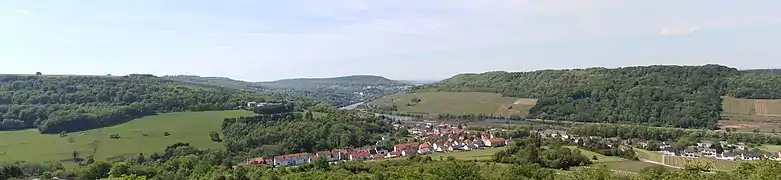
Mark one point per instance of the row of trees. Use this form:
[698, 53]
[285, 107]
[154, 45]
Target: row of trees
[73, 103]
[185, 162]
[678, 96]
[285, 133]
[664, 134]
[530, 150]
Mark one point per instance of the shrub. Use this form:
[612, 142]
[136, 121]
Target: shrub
[166, 134]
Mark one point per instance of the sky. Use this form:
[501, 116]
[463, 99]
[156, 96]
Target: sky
[258, 40]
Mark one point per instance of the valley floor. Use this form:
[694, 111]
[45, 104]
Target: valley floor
[143, 135]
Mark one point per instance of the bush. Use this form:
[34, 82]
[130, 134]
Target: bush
[166, 134]
[114, 136]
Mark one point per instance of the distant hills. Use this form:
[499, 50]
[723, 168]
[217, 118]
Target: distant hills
[680, 96]
[354, 80]
[338, 91]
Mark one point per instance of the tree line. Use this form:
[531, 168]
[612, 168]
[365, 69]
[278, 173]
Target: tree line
[286, 133]
[677, 96]
[54, 104]
[665, 134]
[182, 161]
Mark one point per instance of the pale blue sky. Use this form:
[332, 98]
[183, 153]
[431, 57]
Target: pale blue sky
[400, 39]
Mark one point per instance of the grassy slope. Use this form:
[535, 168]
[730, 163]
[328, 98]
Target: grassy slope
[192, 127]
[453, 103]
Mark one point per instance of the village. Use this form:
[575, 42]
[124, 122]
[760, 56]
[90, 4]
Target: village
[428, 139]
[721, 150]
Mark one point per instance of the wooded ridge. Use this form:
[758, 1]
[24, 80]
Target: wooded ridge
[660, 95]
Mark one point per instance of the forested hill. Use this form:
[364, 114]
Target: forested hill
[355, 80]
[774, 71]
[217, 81]
[680, 96]
[55, 104]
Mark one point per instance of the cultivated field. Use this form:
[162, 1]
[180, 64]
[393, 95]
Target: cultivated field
[458, 103]
[192, 127]
[484, 154]
[716, 164]
[632, 166]
[750, 114]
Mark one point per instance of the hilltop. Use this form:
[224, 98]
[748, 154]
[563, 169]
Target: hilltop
[55, 104]
[679, 96]
[354, 80]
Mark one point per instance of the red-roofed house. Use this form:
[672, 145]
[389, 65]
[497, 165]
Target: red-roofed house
[401, 147]
[393, 154]
[360, 156]
[424, 148]
[378, 156]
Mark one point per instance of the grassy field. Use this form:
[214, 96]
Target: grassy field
[192, 127]
[650, 155]
[485, 154]
[771, 148]
[458, 103]
[716, 164]
[749, 114]
[632, 166]
[600, 158]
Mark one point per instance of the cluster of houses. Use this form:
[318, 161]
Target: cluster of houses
[731, 152]
[453, 139]
[704, 149]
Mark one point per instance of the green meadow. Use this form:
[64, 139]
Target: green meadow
[142, 135]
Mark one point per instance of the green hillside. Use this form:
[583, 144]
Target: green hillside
[189, 127]
[55, 104]
[680, 96]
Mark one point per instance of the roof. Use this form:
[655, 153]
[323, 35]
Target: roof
[751, 155]
[425, 145]
[378, 156]
[360, 154]
[496, 140]
[406, 145]
[289, 156]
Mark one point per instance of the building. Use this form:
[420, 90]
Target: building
[360, 156]
[401, 147]
[425, 148]
[725, 156]
[495, 142]
[751, 156]
[329, 155]
[292, 159]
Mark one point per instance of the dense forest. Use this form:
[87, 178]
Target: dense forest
[287, 133]
[338, 92]
[54, 104]
[678, 96]
[181, 161]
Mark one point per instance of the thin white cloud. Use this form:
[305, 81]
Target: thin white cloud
[676, 31]
[23, 11]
